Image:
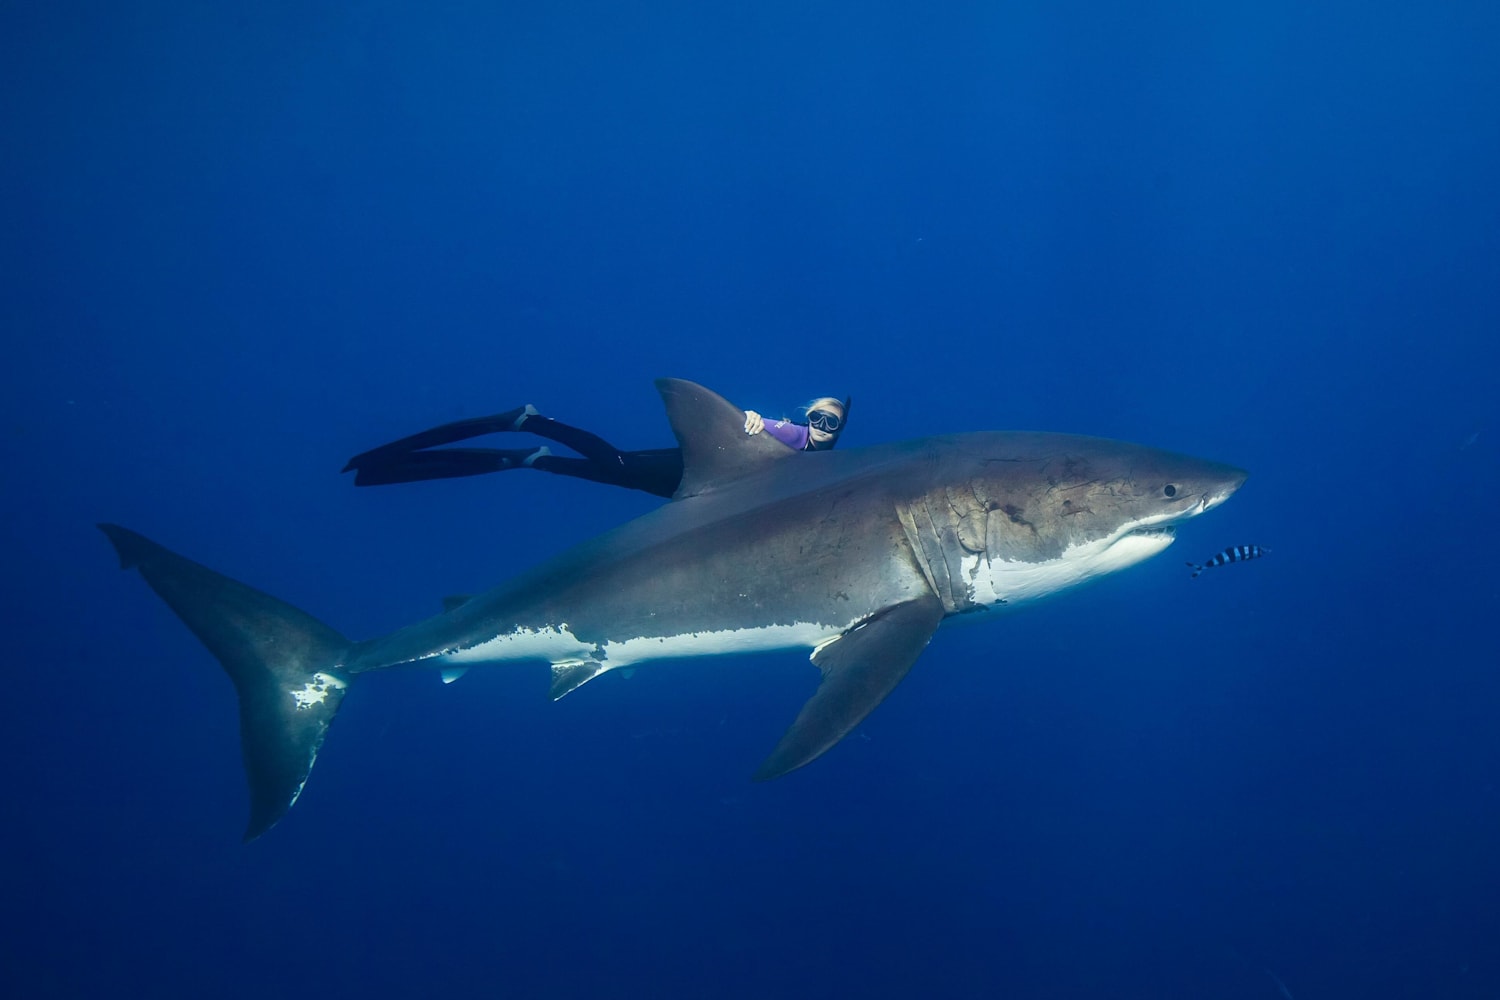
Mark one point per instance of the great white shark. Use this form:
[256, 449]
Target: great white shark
[857, 554]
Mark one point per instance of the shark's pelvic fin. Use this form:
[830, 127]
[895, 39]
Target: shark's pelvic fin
[711, 431]
[569, 677]
[860, 668]
[285, 665]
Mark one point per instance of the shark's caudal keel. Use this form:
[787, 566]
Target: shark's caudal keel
[857, 555]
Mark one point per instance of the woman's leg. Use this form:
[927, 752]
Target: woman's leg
[590, 446]
[419, 457]
[444, 463]
[657, 471]
[459, 430]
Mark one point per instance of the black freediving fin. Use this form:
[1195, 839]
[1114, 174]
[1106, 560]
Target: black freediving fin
[859, 669]
[459, 430]
[441, 463]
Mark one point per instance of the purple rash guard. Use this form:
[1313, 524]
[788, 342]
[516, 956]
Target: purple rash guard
[794, 436]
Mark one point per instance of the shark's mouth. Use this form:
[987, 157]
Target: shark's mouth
[1154, 530]
[1140, 542]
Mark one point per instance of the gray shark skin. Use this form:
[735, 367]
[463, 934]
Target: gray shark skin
[858, 555]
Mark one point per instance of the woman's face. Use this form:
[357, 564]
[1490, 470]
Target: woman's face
[824, 425]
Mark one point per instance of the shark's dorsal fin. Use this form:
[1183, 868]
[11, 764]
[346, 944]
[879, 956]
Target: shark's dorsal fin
[711, 431]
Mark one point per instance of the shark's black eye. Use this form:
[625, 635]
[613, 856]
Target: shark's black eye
[1170, 490]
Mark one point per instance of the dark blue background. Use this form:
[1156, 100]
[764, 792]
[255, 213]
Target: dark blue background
[241, 242]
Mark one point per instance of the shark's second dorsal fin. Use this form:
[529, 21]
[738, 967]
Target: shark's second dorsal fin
[711, 431]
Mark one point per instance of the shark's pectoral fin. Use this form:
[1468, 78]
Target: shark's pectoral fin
[859, 669]
[568, 677]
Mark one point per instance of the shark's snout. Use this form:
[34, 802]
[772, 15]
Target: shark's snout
[1223, 485]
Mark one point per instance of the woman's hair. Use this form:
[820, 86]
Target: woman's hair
[826, 403]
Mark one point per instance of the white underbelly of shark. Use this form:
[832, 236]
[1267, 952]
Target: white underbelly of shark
[560, 646]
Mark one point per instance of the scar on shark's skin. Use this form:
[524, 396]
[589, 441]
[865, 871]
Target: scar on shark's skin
[316, 690]
[855, 556]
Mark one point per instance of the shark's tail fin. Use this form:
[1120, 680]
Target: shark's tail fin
[285, 665]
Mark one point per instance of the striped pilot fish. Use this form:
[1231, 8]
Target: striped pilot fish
[1237, 554]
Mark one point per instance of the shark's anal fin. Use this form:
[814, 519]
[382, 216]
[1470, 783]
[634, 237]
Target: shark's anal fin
[859, 669]
[568, 677]
[715, 448]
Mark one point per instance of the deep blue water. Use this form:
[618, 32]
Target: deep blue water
[243, 242]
